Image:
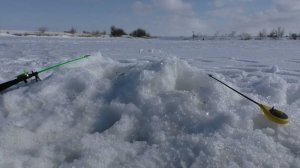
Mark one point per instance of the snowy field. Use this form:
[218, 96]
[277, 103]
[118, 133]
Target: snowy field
[149, 103]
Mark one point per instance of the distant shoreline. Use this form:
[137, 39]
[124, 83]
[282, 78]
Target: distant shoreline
[243, 37]
[20, 33]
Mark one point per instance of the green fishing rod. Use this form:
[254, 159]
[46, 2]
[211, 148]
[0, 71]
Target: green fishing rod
[26, 75]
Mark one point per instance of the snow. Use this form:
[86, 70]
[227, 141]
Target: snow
[149, 103]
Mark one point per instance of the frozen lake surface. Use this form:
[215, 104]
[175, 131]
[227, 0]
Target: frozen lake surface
[149, 103]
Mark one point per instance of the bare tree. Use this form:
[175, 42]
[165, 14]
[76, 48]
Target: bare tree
[262, 34]
[216, 35]
[116, 32]
[139, 33]
[194, 35]
[294, 36]
[273, 34]
[42, 29]
[72, 30]
[246, 36]
[280, 32]
[277, 33]
[232, 34]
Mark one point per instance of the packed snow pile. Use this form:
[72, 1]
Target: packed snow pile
[148, 109]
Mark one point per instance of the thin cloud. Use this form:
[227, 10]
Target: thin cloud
[284, 13]
[236, 15]
[226, 12]
[92, 1]
[223, 3]
[174, 5]
[288, 5]
[141, 8]
[181, 18]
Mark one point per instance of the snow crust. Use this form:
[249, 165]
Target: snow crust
[149, 103]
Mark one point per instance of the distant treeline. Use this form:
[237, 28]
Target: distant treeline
[274, 34]
[114, 32]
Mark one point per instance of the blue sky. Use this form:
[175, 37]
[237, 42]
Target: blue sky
[159, 17]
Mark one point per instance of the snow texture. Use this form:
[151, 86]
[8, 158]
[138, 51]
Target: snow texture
[148, 103]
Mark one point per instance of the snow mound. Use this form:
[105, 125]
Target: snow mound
[104, 113]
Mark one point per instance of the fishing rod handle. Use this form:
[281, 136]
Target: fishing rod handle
[9, 84]
[20, 78]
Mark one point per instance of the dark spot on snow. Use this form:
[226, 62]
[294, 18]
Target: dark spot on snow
[106, 120]
[72, 156]
[248, 61]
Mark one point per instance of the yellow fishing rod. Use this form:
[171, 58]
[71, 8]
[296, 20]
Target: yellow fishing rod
[271, 113]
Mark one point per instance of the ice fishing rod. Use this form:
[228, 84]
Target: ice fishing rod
[271, 113]
[26, 75]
